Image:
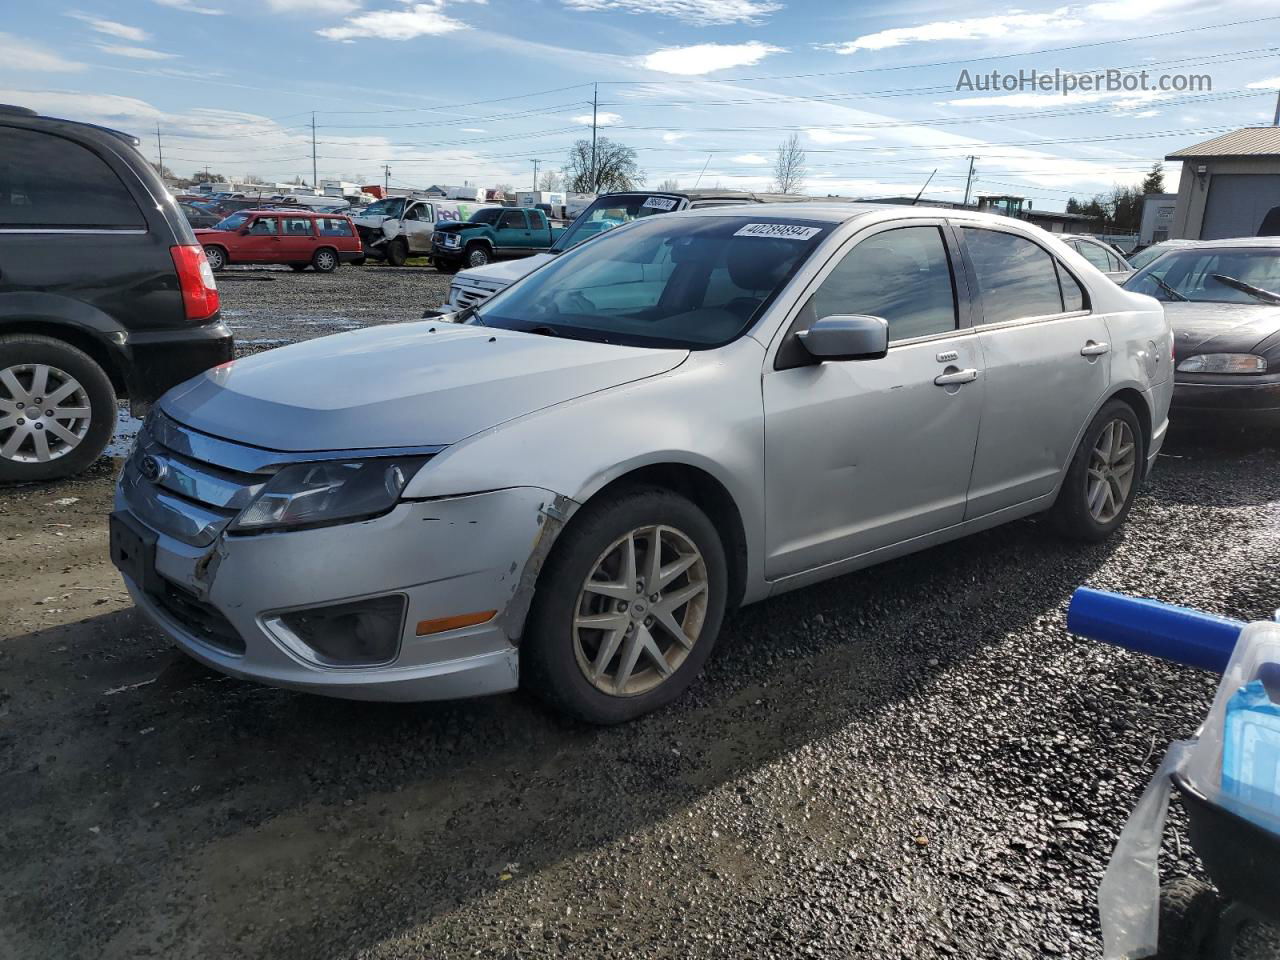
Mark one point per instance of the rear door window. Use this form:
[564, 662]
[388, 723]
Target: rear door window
[49, 182]
[297, 226]
[1016, 277]
[902, 275]
[1095, 255]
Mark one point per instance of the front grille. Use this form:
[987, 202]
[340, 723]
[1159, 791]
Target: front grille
[199, 618]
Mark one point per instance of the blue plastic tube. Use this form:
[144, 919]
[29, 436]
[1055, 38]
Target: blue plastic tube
[1179, 634]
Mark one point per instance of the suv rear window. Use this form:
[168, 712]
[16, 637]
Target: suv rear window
[48, 181]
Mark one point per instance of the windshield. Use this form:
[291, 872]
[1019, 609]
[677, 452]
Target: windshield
[692, 283]
[611, 211]
[387, 207]
[1193, 275]
[233, 222]
[1143, 257]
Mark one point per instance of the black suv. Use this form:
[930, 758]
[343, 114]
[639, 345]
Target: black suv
[104, 292]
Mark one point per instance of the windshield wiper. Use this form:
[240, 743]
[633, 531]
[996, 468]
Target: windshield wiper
[1169, 290]
[1266, 296]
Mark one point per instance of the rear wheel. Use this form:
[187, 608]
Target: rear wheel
[216, 256]
[57, 409]
[397, 253]
[1188, 912]
[324, 260]
[627, 609]
[1102, 481]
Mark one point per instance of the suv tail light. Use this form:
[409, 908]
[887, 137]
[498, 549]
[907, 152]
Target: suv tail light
[195, 280]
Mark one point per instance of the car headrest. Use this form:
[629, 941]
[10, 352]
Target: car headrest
[759, 263]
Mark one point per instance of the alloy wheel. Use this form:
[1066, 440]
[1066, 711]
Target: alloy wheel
[324, 260]
[44, 413]
[1113, 464]
[478, 258]
[640, 611]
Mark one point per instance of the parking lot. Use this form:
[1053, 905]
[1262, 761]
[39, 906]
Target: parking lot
[912, 761]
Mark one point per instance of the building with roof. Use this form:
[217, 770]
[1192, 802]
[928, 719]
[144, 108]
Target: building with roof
[1230, 186]
[1158, 210]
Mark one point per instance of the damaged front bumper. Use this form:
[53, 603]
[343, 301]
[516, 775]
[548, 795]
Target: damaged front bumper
[229, 600]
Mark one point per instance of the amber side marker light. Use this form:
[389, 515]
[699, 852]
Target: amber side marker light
[427, 627]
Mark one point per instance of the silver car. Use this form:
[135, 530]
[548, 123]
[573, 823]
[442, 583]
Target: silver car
[568, 489]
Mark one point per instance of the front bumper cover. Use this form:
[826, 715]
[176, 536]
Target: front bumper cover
[446, 557]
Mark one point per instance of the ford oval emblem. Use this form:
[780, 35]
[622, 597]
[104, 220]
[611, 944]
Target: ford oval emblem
[151, 468]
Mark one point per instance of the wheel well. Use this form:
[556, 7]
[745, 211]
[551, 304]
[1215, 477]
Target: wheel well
[78, 339]
[325, 246]
[482, 241]
[710, 496]
[1134, 399]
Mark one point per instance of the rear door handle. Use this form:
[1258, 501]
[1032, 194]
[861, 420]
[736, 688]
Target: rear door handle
[954, 376]
[1095, 349]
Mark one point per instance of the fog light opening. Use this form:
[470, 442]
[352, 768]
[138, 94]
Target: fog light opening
[441, 624]
[362, 633]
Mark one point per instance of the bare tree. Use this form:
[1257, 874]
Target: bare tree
[506, 189]
[252, 178]
[550, 180]
[669, 185]
[790, 168]
[616, 167]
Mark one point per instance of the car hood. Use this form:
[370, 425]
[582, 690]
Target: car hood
[400, 385]
[495, 276]
[1220, 327]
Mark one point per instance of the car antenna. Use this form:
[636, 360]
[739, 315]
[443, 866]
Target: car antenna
[922, 189]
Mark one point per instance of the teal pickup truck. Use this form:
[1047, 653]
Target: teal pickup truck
[501, 233]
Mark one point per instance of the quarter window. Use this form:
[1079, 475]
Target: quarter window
[1016, 277]
[50, 182]
[1072, 293]
[902, 275]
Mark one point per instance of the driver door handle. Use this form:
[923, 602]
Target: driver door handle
[1095, 349]
[954, 376]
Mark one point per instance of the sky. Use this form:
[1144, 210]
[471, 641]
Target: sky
[472, 91]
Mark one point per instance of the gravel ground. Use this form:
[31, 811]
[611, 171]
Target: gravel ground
[912, 761]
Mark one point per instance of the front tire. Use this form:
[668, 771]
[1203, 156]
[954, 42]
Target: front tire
[216, 256]
[1103, 479]
[628, 607]
[477, 255]
[57, 409]
[397, 253]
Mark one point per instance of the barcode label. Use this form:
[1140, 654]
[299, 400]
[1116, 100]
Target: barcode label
[784, 231]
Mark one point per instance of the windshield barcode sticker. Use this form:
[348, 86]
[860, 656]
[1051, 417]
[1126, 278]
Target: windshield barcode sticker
[784, 231]
[661, 203]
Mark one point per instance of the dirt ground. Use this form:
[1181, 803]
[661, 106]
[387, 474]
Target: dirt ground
[912, 761]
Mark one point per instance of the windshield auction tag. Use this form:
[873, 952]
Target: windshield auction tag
[660, 203]
[783, 231]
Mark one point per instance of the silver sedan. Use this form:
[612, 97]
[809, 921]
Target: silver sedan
[568, 489]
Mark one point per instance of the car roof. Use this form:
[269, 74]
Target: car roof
[17, 112]
[1237, 242]
[842, 211]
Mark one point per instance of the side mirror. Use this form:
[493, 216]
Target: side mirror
[851, 337]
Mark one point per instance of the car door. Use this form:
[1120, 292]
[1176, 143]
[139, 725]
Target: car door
[1046, 369]
[511, 235]
[297, 243]
[864, 454]
[262, 242]
[417, 225]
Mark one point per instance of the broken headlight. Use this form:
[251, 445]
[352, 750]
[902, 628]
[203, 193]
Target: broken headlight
[330, 491]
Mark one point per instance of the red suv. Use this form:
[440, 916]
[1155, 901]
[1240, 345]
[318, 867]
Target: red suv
[322, 240]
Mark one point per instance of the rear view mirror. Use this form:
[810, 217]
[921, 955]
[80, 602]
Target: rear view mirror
[847, 337]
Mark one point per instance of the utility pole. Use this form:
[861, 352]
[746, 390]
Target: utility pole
[386, 179]
[314, 180]
[595, 102]
[1276, 121]
[969, 182]
[160, 151]
[535, 176]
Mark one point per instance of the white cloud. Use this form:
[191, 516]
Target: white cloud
[708, 57]
[1270, 83]
[836, 135]
[473, 129]
[134, 53]
[603, 118]
[1010, 26]
[415, 20]
[750, 158]
[17, 53]
[701, 13]
[314, 7]
[111, 28]
[672, 137]
[189, 6]
[1121, 10]
[1123, 99]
